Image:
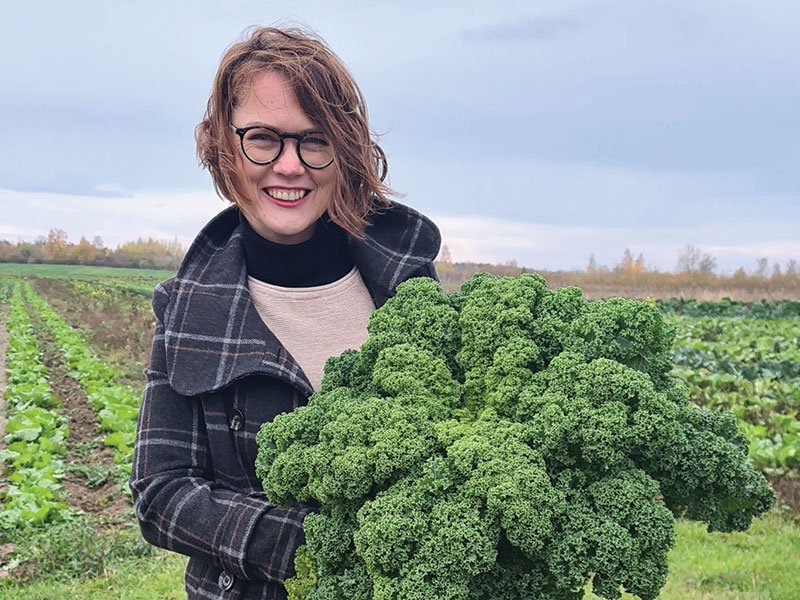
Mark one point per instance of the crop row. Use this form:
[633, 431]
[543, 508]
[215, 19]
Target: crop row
[742, 340]
[782, 370]
[35, 434]
[764, 309]
[116, 405]
[752, 368]
[115, 287]
[6, 285]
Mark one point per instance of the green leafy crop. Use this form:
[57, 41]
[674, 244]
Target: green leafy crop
[503, 442]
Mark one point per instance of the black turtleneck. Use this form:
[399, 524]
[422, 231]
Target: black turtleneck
[321, 259]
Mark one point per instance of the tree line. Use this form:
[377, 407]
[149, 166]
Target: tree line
[695, 276]
[57, 249]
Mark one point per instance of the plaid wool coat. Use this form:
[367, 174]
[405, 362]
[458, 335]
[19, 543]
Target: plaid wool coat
[217, 373]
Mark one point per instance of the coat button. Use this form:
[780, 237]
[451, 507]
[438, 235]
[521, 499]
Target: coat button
[237, 420]
[225, 581]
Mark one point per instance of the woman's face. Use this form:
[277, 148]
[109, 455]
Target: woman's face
[287, 197]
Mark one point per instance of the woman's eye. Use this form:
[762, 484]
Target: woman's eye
[263, 138]
[316, 141]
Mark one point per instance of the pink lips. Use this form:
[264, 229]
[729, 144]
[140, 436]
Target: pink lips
[287, 203]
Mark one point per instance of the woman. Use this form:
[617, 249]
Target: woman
[272, 286]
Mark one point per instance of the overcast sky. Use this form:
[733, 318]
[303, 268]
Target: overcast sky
[540, 132]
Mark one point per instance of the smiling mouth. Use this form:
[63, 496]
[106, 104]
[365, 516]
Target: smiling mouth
[286, 195]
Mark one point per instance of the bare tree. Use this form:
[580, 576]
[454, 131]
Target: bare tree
[762, 266]
[688, 259]
[692, 259]
[708, 263]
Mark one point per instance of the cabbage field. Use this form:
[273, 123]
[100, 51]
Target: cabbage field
[72, 349]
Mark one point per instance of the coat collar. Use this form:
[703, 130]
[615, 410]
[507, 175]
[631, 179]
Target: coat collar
[213, 334]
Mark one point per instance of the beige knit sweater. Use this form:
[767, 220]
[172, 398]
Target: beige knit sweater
[314, 323]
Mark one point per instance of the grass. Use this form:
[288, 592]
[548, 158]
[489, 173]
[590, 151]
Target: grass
[156, 577]
[83, 558]
[759, 564]
[80, 271]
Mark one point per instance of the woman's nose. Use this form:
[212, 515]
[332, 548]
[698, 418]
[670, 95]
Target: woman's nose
[288, 163]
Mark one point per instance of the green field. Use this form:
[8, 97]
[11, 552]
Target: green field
[80, 271]
[749, 366]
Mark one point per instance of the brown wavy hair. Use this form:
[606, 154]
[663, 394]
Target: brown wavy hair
[327, 93]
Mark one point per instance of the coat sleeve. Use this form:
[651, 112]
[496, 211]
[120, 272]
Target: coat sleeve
[179, 506]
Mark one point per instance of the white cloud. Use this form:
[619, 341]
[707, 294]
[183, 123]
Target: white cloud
[775, 250]
[12, 234]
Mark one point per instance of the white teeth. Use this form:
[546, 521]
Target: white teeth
[286, 195]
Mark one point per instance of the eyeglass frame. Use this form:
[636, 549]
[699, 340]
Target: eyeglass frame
[297, 137]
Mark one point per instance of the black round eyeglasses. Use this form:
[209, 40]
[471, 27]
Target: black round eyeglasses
[263, 145]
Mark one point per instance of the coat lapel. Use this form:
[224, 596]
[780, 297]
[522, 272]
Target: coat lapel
[398, 244]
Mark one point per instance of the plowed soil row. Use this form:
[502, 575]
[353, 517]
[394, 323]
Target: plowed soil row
[85, 452]
[121, 328]
[787, 490]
